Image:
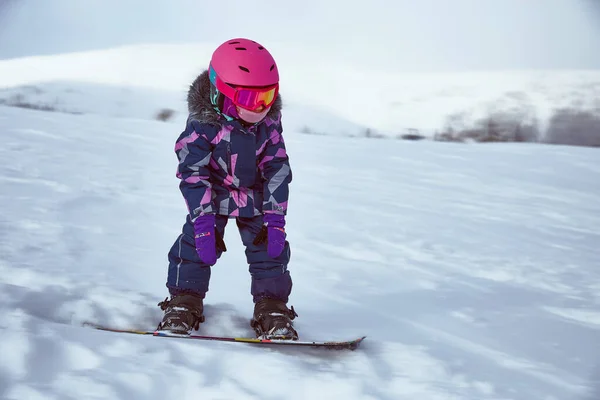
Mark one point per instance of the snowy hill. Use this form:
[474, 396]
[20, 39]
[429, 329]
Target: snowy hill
[472, 269]
[391, 105]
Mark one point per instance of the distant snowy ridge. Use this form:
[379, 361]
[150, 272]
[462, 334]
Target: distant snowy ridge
[155, 77]
[147, 103]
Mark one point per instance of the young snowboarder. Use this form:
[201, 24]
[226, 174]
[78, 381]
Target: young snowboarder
[233, 164]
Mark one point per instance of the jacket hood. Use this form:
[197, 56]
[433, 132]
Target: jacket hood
[201, 108]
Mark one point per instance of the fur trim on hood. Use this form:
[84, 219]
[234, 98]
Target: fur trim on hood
[200, 107]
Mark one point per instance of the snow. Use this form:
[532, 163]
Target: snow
[139, 80]
[471, 268]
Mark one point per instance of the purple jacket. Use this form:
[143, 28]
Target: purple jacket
[228, 168]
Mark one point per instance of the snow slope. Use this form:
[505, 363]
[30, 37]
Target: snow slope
[389, 102]
[472, 269]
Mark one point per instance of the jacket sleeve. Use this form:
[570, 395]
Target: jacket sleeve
[194, 151]
[275, 167]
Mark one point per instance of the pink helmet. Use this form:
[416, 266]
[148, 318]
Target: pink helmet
[244, 62]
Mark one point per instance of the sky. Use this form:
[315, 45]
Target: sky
[405, 35]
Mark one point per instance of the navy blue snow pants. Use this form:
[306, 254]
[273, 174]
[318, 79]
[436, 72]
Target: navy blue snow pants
[188, 273]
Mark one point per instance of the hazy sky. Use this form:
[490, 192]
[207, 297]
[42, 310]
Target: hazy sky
[392, 34]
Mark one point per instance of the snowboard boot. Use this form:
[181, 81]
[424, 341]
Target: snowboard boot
[273, 320]
[183, 313]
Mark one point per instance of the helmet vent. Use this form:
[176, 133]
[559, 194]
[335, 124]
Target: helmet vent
[240, 48]
[244, 68]
[234, 42]
[272, 67]
[261, 48]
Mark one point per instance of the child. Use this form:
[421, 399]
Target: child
[233, 164]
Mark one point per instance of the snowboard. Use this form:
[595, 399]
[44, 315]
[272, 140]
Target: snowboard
[333, 345]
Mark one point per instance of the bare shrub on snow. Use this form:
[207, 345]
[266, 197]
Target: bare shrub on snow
[371, 133]
[574, 127]
[307, 130]
[411, 134]
[19, 100]
[165, 114]
[498, 126]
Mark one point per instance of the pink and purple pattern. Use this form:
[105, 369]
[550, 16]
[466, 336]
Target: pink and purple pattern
[233, 170]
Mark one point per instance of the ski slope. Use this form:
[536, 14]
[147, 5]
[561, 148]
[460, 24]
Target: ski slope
[472, 269]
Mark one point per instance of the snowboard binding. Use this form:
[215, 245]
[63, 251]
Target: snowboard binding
[183, 314]
[272, 320]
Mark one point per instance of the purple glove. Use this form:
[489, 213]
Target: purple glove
[204, 236]
[273, 233]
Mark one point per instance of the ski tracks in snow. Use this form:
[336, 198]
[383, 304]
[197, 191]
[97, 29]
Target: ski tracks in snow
[482, 254]
[472, 278]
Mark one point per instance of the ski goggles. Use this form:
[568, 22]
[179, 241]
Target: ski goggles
[248, 97]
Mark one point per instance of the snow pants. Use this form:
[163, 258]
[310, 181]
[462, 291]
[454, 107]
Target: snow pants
[188, 273]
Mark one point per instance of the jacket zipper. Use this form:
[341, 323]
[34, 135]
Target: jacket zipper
[229, 169]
